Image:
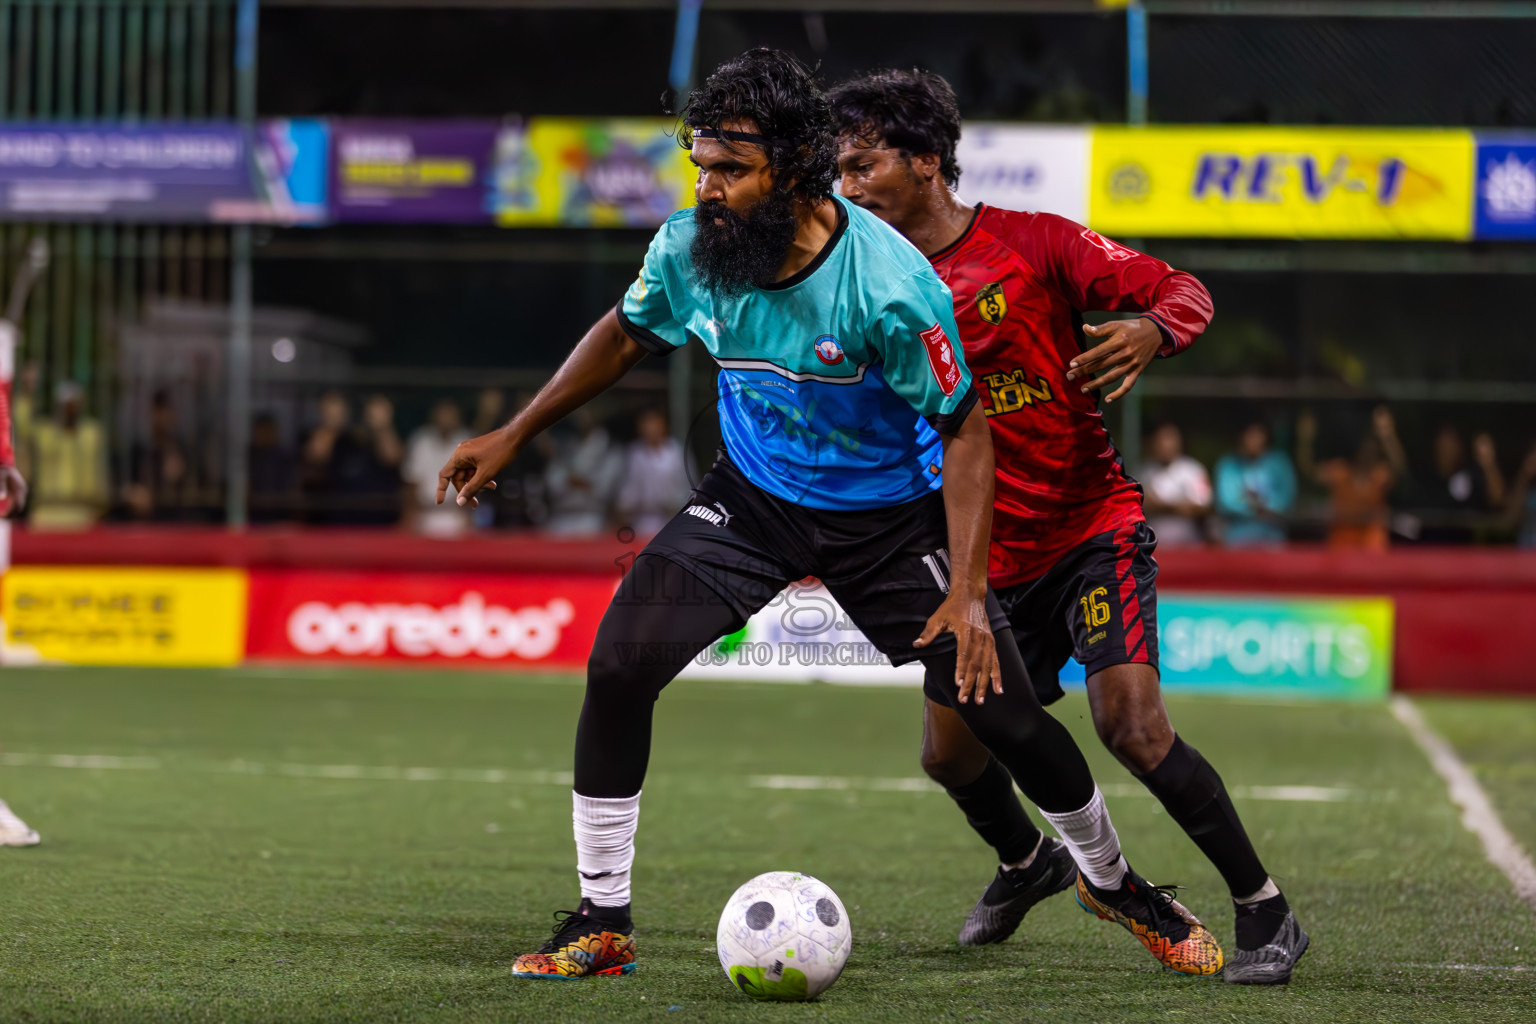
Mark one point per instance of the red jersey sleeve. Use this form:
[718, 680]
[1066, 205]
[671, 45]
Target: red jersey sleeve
[1095, 273]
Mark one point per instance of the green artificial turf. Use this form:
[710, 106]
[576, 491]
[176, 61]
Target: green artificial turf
[266, 846]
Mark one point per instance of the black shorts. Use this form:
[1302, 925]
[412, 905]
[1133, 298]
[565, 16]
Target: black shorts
[1097, 604]
[888, 568]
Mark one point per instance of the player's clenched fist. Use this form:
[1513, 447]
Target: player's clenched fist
[474, 464]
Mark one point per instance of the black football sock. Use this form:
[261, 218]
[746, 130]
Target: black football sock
[616, 917]
[1196, 798]
[993, 810]
[1037, 750]
[1257, 923]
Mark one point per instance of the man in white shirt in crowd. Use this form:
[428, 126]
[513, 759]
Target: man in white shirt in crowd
[429, 447]
[582, 479]
[1177, 490]
[655, 476]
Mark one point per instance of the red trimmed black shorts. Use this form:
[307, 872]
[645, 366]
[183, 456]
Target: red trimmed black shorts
[1098, 604]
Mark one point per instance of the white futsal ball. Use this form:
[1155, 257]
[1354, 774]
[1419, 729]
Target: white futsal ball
[783, 936]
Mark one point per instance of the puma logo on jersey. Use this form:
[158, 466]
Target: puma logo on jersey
[1008, 391]
[709, 515]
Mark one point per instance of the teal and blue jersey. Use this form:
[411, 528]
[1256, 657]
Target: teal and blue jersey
[834, 383]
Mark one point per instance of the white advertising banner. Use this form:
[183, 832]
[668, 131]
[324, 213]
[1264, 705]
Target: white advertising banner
[802, 636]
[1035, 168]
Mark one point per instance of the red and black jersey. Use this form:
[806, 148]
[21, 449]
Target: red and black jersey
[1021, 283]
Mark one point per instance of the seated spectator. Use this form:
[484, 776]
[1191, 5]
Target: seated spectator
[274, 474]
[582, 477]
[428, 450]
[1177, 489]
[655, 476]
[69, 483]
[1255, 491]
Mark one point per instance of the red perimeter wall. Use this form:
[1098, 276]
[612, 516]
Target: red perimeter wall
[1461, 612]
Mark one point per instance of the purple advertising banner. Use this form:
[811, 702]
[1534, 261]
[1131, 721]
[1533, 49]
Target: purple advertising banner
[166, 173]
[412, 171]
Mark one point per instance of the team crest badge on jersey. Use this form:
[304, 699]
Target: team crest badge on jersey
[991, 303]
[828, 350]
[941, 358]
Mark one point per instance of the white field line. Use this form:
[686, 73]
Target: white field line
[383, 773]
[79, 761]
[1477, 812]
[386, 773]
[1490, 968]
[1301, 794]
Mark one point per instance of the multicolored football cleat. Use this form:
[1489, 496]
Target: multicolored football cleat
[1003, 905]
[1161, 923]
[587, 941]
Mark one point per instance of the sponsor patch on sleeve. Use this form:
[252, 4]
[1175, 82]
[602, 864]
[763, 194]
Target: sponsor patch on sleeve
[941, 358]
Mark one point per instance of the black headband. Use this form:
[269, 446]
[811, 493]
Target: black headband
[730, 136]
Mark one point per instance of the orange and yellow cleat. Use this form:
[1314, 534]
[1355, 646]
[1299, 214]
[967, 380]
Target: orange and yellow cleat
[1161, 923]
[584, 945]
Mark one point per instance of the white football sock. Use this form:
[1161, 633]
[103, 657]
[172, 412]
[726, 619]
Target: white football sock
[605, 845]
[1270, 890]
[1091, 837]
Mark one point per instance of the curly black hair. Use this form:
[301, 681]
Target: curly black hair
[776, 92]
[913, 111]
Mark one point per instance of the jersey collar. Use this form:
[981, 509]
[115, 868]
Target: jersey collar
[964, 235]
[820, 258]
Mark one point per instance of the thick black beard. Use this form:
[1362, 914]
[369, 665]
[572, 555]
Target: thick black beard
[743, 252]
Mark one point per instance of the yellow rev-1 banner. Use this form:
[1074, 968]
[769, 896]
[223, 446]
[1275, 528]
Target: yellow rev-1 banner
[111, 616]
[1274, 182]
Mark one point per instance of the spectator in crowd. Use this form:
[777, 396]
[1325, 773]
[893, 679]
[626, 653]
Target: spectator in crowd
[1255, 491]
[521, 498]
[331, 435]
[1522, 502]
[655, 476]
[24, 415]
[159, 472]
[490, 412]
[352, 474]
[70, 490]
[274, 474]
[375, 475]
[1456, 491]
[1177, 489]
[428, 450]
[582, 477]
[1358, 511]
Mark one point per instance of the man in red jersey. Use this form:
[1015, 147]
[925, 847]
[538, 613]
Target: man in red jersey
[1071, 556]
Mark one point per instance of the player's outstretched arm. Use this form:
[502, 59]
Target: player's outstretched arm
[968, 497]
[602, 356]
